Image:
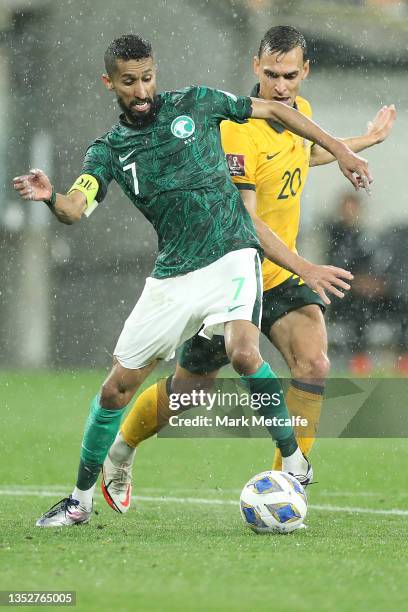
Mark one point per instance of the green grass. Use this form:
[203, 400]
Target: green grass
[169, 555]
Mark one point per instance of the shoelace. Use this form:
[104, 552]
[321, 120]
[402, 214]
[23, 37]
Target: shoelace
[63, 504]
[299, 476]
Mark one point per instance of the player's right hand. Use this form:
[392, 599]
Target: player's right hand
[380, 127]
[329, 279]
[354, 168]
[33, 186]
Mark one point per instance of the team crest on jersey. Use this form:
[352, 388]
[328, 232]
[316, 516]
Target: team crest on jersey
[183, 126]
[236, 164]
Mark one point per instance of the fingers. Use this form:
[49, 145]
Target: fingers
[331, 280]
[24, 188]
[390, 117]
[323, 295]
[383, 114]
[365, 184]
[352, 178]
[329, 287]
[362, 176]
[388, 112]
[33, 174]
[340, 272]
[382, 123]
[340, 283]
[31, 186]
[26, 193]
[332, 289]
[363, 170]
[21, 179]
[332, 286]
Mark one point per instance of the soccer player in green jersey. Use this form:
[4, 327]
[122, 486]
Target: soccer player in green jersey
[166, 155]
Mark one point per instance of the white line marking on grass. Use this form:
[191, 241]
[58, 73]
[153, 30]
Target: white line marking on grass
[357, 510]
[221, 490]
[31, 491]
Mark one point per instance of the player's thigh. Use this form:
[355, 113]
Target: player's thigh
[231, 290]
[161, 320]
[301, 336]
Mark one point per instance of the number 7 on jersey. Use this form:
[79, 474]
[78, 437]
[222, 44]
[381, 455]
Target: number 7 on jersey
[132, 167]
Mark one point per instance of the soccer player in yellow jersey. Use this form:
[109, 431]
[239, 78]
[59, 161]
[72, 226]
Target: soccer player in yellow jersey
[269, 165]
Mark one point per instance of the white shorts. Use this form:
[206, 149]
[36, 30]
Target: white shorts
[172, 310]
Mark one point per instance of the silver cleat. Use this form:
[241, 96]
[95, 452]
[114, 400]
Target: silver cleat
[65, 513]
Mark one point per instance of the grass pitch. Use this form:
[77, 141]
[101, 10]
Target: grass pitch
[182, 545]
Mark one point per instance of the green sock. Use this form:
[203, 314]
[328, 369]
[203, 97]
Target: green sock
[100, 431]
[264, 381]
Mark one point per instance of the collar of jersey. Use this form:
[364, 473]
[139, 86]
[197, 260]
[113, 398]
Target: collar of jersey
[278, 127]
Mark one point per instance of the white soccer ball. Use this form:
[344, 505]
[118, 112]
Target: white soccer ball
[273, 502]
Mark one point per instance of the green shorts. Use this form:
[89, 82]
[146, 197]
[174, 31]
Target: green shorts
[201, 356]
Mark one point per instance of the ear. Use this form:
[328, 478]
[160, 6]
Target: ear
[107, 81]
[256, 65]
[306, 69]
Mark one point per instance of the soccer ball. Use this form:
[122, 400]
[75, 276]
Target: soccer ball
[273, 502]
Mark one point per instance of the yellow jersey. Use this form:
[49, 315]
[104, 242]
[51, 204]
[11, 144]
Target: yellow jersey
[265, 157]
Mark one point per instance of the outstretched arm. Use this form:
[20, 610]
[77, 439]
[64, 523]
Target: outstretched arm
[353, 167]
[322, 279]
[377, 131]
[36, 186]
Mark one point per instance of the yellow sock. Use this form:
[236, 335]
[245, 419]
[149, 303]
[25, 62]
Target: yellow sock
[305, 400]
[148, 415]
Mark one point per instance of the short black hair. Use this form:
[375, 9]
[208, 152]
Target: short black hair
[127, 47]
[282, 39]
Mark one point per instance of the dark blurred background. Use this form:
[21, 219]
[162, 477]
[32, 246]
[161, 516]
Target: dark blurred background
[66, 291]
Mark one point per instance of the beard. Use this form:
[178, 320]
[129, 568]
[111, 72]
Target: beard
[138, 119]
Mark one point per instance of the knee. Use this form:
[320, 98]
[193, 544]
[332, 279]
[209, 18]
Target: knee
[112, 397]
[316, 367]
[245, 360]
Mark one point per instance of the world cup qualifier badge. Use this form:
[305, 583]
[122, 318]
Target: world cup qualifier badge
[236, 164]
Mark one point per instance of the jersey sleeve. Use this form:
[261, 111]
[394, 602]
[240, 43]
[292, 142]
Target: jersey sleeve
[225, 105]
[304, 106]
[97, 163]
[241, 154]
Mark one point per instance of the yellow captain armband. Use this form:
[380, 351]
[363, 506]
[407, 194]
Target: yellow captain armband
[89, 187]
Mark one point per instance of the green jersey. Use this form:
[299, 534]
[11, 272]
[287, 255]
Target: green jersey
[174, 171]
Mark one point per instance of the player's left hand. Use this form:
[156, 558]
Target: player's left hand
[379, 128]
[329, 279]
[354, 168]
